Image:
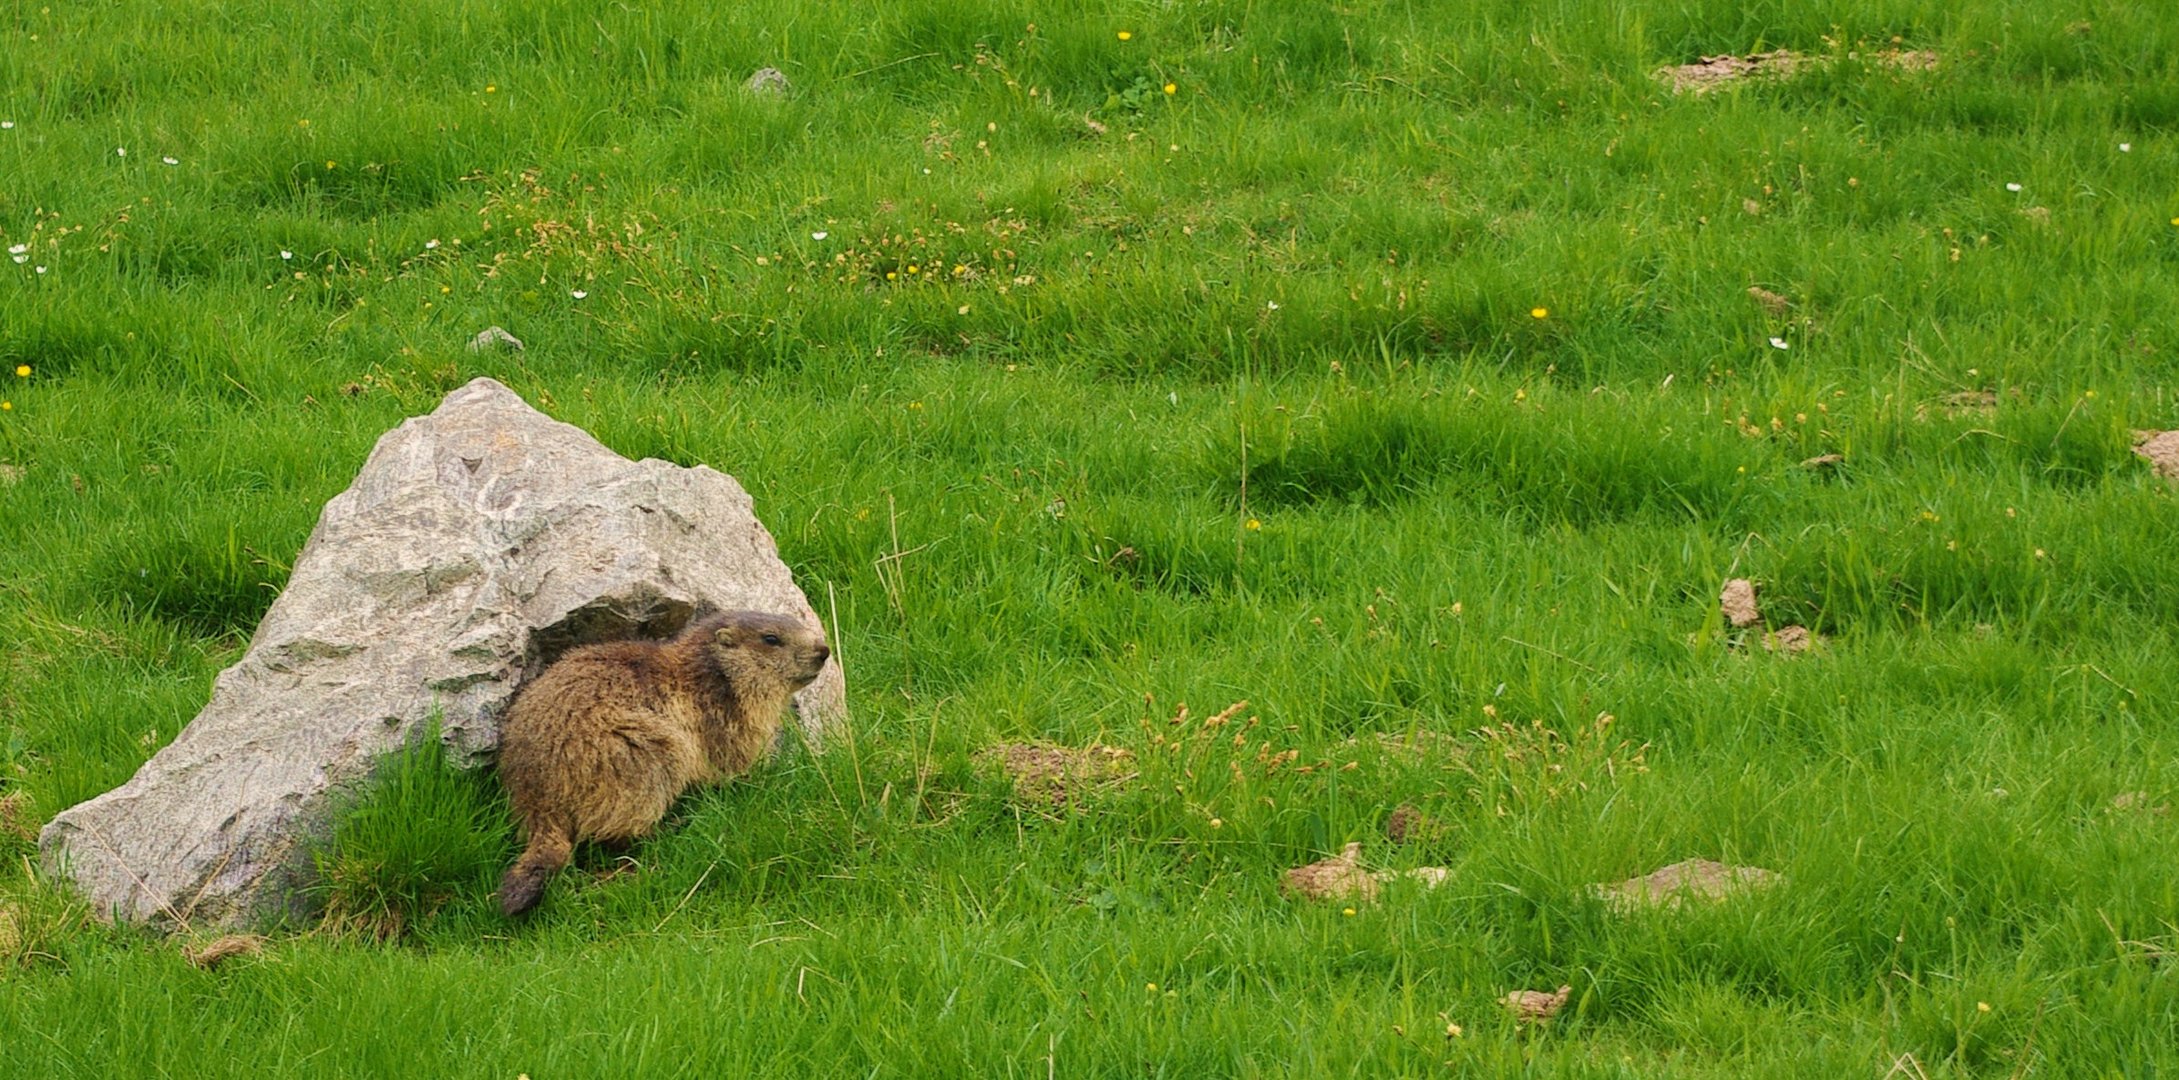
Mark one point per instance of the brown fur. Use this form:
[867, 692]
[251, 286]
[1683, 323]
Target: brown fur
[599, 744]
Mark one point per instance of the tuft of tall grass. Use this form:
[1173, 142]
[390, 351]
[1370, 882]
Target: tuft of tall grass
[419, 834]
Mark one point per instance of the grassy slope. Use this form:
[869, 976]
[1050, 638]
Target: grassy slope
[1311, 266]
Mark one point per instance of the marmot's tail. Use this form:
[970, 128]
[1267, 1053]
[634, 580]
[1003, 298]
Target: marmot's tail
[524, 884]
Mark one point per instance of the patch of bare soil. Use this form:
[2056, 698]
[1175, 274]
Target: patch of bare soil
[1791, 640]
[1737, 600]
[2161, 449]
[1712, 72]
[1341, 877]
[2138, 802]
[1696, 879]
[1057, 775]
[1533, 1006]
[1409, 824]
[219, 950]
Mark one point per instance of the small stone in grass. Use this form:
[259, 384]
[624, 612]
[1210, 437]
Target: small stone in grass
[492, 337]
[767, 82]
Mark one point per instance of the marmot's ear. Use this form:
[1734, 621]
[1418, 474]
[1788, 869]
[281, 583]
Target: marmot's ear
[724, 635]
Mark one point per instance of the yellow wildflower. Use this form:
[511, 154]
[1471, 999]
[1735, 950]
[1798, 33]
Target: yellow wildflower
[1539, 313]
[1127, 35]
[22, 371]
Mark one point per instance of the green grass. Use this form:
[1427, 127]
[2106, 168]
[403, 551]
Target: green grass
[1241, 398]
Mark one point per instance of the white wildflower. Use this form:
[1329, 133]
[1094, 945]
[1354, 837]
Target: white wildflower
[1779, 343]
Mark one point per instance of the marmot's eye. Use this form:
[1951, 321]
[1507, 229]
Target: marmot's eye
[771, 639]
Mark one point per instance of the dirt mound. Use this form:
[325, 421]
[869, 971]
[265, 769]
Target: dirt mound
[1338, 878]
[1529, 1006]
[1697, 879]
[2161, 449]
[1737, 599]
[1712, 72]
[1341, 877]
[1058, 775]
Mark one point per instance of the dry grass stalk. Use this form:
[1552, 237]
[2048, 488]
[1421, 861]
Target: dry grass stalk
[219, 950]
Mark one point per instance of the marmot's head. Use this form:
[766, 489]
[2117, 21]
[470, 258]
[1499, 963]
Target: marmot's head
[753, 644]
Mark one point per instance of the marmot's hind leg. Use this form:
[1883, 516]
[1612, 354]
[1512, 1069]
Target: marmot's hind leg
[551, 844]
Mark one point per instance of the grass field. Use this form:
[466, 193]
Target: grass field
[1392, 367]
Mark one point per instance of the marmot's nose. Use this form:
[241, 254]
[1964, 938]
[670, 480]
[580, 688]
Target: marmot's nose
[823, 652]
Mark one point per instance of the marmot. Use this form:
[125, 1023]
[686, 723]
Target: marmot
[600, 743]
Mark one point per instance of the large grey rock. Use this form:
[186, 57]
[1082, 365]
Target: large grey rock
[477, 544]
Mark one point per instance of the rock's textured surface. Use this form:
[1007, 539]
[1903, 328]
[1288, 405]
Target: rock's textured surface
[477, 544]
[767, 82]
